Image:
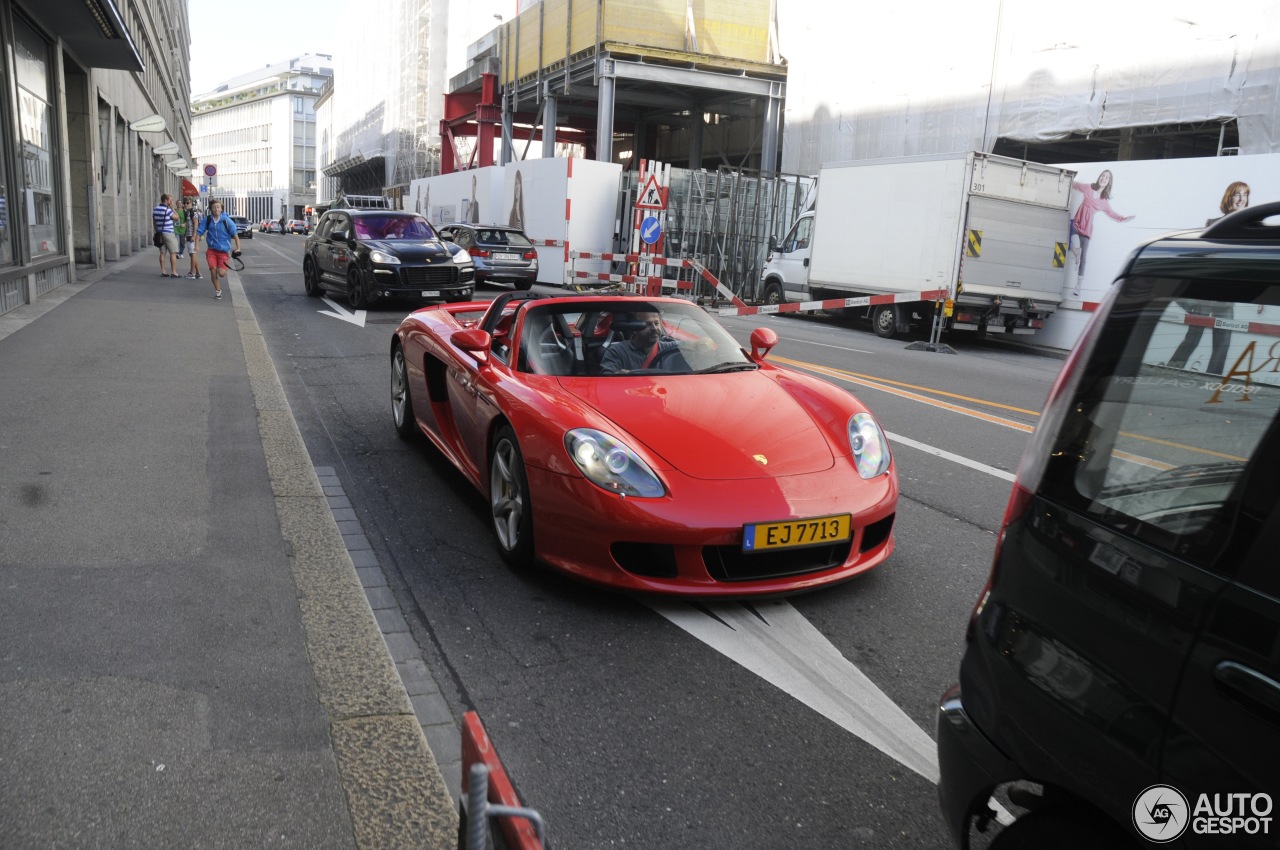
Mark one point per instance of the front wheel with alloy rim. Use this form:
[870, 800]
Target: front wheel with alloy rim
[509, 500]
[884, 321]
[310, 277]
[401, 400]
[356, 296]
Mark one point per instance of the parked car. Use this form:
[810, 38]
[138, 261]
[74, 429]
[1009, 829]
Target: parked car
[243, 229]
[1121, 676]
[371, 255]
[501, 254]
[616, 466]
[296, 226]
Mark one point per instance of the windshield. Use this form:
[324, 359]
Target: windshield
[619, 338]
[392, 227]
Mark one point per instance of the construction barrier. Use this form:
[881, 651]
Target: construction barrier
[835, 303]
[653, 284]
[517, 824]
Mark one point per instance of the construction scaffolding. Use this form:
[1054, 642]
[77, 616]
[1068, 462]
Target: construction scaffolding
[411, 127]
[724, 221]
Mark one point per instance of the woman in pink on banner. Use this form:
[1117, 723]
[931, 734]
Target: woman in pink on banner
[1094, 198]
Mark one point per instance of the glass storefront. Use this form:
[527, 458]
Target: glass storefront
[6, 229]
[36, 140]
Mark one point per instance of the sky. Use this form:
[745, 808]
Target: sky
[227, 41]
[226, 44]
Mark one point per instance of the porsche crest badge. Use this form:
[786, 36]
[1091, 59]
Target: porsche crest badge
[761, 459]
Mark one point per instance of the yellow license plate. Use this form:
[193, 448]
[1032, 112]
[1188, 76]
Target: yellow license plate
[792, 534]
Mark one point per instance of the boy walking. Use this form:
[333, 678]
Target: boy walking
[219, 233]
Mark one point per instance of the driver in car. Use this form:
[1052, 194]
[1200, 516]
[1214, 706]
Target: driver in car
[645, 348]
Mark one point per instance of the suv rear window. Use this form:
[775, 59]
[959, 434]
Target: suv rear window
[503, 237]
[1181, 389]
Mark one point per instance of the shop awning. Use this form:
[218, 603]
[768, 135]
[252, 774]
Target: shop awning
[93, 29]
[189, 189]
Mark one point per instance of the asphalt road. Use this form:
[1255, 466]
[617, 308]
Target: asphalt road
[629, 722]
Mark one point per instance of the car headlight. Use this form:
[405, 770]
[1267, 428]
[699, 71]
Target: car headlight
[462, 258]
[610, 465]
[870, 450]
[383, 258]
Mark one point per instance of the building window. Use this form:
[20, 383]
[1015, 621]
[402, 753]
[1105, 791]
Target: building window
[35, 136]
[6, 230]
[297, 106]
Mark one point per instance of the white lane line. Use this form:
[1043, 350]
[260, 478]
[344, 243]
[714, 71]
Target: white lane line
[827, 345]
[773, 640]
[954, 458]
[273, 249]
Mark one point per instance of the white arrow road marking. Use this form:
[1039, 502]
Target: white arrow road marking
[356, 318]
[772, 640]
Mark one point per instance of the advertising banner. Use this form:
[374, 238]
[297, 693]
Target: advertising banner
[1118, 206]
[465, 196]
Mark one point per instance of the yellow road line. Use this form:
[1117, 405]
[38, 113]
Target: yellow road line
[890, 386]
[853, 378]
[882, 382]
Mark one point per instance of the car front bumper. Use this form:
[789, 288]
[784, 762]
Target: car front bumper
[696, 532]
[444, 282]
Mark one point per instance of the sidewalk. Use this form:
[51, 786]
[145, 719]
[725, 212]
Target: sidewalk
[187, 655]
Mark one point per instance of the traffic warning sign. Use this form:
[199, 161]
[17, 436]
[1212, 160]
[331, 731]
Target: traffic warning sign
[651, 196]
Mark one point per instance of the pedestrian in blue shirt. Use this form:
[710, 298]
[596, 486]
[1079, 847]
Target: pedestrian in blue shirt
[219, 233]
[163, 216]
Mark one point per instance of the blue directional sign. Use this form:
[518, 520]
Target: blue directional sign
[651, 229]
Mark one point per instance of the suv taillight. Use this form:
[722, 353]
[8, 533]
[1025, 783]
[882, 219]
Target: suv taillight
[1036, 456]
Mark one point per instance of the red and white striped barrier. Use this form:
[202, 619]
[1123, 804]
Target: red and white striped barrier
[651, 281]
[620, 278]
[632, 258]
[1237, 325]
[834, 303]
[477, 748]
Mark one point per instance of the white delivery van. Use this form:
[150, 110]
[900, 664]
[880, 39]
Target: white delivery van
[990, 231]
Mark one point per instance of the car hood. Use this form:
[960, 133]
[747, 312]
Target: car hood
[421, 251]
[734, 426]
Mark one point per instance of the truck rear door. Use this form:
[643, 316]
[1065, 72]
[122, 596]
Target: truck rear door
[1015, 249]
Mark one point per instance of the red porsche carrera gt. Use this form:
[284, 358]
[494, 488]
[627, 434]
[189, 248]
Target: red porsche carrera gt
[631, 442]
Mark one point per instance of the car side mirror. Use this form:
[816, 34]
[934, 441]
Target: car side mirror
[340, 236]
[773, 244]
[476, 342]
[762, 340]
[447, 237]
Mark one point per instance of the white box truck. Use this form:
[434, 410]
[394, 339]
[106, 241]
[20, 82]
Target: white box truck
[991, 231]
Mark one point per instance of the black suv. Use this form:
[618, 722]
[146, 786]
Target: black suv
[1121, 679]
[368, 255]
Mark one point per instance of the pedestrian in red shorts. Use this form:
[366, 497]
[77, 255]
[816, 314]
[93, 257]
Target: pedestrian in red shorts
[219, 233]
